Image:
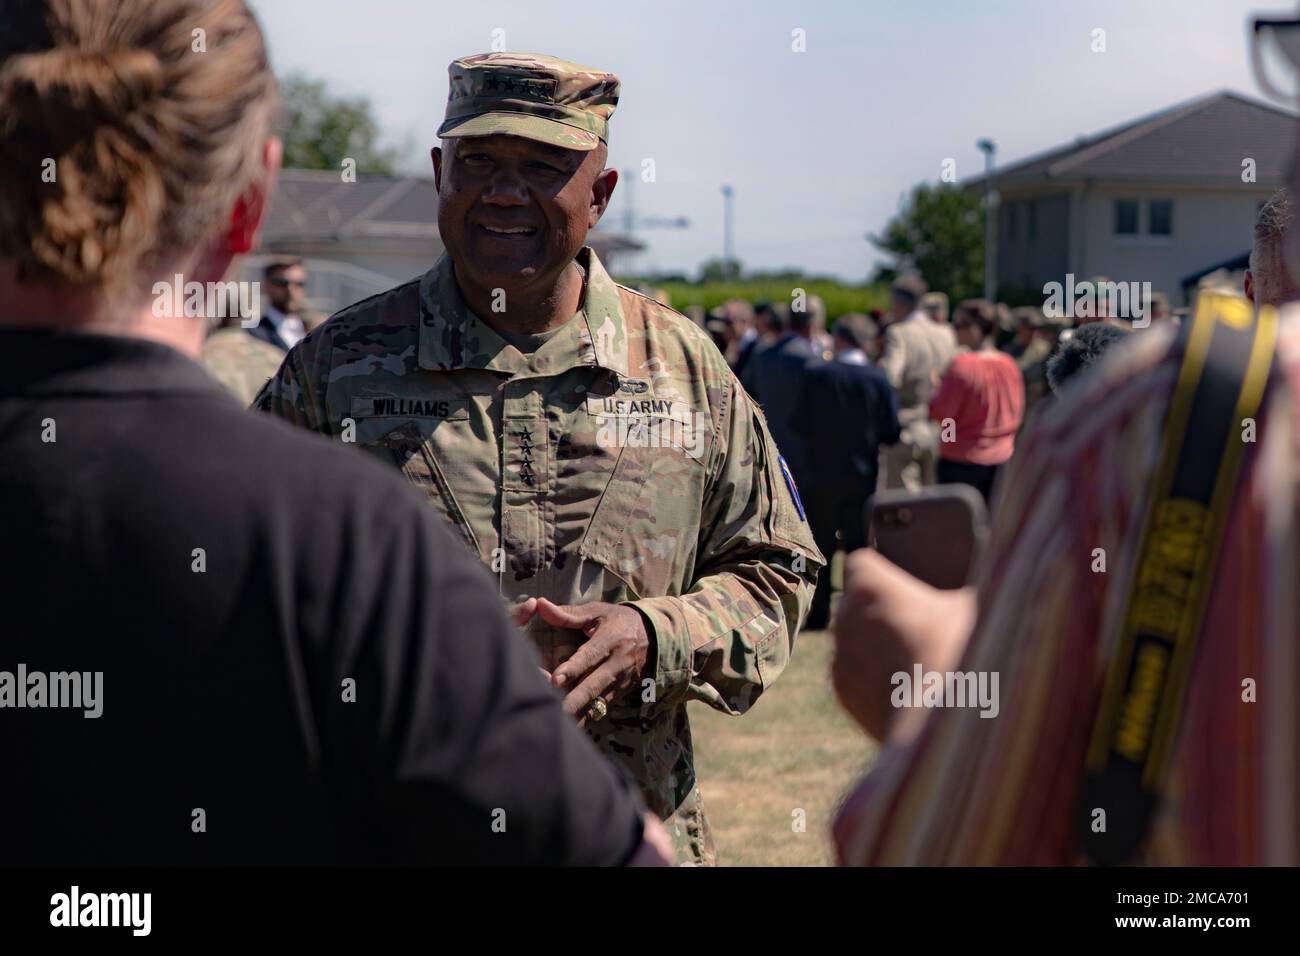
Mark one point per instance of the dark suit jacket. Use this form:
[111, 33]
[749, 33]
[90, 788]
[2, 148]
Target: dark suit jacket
[774, 376]
[267, 332]
[847, 411]
[745, 353]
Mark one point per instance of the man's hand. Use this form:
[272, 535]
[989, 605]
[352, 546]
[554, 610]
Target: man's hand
[521, 614]
[612, 660]
[887, 622]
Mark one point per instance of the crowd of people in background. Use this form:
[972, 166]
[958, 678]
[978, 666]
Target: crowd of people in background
[917, 394]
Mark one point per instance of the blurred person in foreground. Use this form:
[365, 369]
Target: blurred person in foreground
[979, 404]
[588, 444]
[847, 411]
[1076, 492]
[295, 657]
[916, 351]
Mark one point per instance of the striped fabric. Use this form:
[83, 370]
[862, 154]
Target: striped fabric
[1002, 791]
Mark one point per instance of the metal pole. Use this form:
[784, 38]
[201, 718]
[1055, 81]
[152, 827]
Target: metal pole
[990, 223]
[629, 209]
[728, 251]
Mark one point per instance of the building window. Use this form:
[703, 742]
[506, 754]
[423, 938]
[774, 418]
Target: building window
[1013, 223]
[1033, 219]
[1160, 217]
[1126, 217]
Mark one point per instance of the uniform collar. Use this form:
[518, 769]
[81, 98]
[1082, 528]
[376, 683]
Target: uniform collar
[453, 337]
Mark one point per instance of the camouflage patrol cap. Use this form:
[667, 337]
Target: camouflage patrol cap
[531, 95]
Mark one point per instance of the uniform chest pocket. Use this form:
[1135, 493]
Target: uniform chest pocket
[405, 445]
[398, 444]
[646, 525]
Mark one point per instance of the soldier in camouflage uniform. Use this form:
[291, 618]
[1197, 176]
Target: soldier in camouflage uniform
[590, 445]
[240, 362]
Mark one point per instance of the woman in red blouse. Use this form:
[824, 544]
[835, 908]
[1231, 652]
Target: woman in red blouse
[979, 403]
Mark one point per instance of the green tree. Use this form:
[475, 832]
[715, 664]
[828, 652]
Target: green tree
[720, 270]
[940, 234]
[321, 130]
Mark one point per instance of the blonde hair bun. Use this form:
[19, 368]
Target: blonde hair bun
[123, 146]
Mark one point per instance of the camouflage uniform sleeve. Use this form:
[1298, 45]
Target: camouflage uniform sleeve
[289, 395]
[730, 634]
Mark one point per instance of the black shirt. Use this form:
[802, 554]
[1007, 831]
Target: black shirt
[299, 663]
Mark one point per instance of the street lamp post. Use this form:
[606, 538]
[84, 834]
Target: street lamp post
[988, 148]
[728, 252]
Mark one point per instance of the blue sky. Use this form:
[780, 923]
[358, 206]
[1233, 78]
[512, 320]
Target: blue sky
[820, 146]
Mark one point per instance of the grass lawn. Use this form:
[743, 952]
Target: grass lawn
[796, 749]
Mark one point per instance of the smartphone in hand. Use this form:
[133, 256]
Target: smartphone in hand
[935, 534]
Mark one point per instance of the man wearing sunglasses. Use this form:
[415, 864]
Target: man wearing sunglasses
[283, 323]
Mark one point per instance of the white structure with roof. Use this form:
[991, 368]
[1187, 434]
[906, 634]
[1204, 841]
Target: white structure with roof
[1160, 200]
